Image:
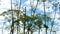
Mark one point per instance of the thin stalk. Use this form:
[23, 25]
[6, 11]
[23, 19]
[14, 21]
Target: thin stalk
[3, 28]
[24, 28]
[39, 30]
[17, 29]
[24, 22]
[53, 22]
[51, 26]
[59, 6]
[44, 12]
[31, 32]
[19, 9]
[45, 16]
[12, 26]
[18, 16]
[28, 29]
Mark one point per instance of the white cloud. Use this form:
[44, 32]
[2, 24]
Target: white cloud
[40, 7]
[5, 4]
[27, 2]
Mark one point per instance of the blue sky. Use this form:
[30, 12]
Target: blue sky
[5, 5]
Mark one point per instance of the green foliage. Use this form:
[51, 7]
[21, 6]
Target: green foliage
[55, 4]
[46, 26]
[37, 0]
[43, 0]
[34, 18]
[3, 14]
[45, 17]
[17, 21]
[25, 18]
[59, 18]
[48, 18]
[39, 22]
[49, 0]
